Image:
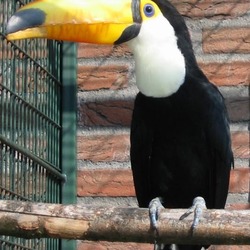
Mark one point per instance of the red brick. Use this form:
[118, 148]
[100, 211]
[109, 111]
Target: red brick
[103, 245]
[241, 144]
[238, 206]
[93, 51]
[106, 113]
[238, 108]
[105, 182]
[115, 147]
[119, 182]
[226, 247]
[227, 73]
[97, 51]
[216, 9]
[226, 40]
[103, 148]
[119, 112]
[240, 180]
[86, 245]
[102, 77]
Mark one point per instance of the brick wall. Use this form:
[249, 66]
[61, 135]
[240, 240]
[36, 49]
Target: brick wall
[220, 30]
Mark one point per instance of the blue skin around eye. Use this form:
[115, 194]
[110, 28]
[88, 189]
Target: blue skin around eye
[149, 10]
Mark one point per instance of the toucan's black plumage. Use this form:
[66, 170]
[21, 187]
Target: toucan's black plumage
[180, 144]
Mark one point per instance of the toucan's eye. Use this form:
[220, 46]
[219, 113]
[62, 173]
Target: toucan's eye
[149, 10]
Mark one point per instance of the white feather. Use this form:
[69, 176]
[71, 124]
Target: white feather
[159, 64]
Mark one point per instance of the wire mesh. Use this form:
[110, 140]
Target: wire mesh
[30, 123]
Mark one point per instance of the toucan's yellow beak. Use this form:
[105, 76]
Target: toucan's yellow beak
[90, 21]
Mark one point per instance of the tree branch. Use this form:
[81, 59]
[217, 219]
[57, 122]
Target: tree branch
[39, 220]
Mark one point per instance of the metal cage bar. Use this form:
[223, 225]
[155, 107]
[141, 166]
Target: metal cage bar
[37, 124]
[68, 160]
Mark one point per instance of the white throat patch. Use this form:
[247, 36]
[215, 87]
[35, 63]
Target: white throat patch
[159, 63]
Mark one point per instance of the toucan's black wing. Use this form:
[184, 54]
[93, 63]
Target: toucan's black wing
[141, 137]
[219, 146]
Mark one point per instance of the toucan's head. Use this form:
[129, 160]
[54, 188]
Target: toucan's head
[154, 30]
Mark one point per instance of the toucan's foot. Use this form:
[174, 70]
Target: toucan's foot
[155, 206]
[197, 208]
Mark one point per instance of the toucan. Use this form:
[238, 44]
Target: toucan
[180, 139]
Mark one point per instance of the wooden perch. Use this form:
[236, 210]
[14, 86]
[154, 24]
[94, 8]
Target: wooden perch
[38, 220]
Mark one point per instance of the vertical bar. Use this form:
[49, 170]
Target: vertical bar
[68, 151]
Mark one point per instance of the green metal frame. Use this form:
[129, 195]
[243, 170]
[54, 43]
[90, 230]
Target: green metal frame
[69, 109]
